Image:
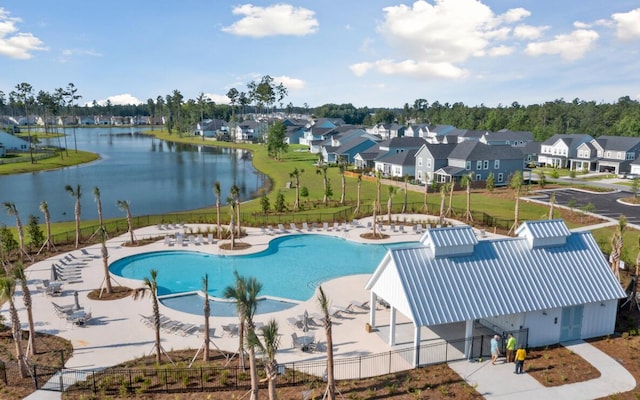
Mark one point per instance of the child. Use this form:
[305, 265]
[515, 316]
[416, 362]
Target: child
[521, 354]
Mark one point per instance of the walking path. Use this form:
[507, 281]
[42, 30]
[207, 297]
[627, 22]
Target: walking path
[115, 334]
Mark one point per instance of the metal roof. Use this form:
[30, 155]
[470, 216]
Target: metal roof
[500, 277]
[544, 229]
[450, 237]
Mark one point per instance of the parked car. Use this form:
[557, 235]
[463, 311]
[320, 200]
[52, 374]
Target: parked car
[632, 176]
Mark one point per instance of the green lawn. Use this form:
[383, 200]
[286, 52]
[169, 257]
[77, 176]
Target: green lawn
[55, 162]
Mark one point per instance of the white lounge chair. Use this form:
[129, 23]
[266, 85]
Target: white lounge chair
[325, 226]
[210, 239]
[281, 228]
[345, 227]
[336, 226]
[306, 227]
[294, 227]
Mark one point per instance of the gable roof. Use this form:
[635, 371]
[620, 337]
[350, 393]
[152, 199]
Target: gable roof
[401, 158]
[618, 143]
[472, 150]
[501, 277]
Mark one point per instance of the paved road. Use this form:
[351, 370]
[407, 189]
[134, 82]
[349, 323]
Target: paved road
[605, 203]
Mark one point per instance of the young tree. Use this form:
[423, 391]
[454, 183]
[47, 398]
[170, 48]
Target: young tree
[207, 313]
[280, 205]
[359, 186]
[443, 197]
[425, 205]
[36, 236]
[232, 217]
[245, 293]
[406, 193]
[342, 167]
[19, 275]
[276, 143]
[295, 175]
[44, 207]
[124, 205]
[216, 191]
[323, 301]
[12, 211]
[392, 191]
[542, 179]
[467, 179]
[150, 288]
[552, 202]
[617, 242]
[76, 194]
[7, 288]
[264, 203]
[378, 206]
[105, 261]
[235, 194]
[491, 182]
[322, 170]
[96, 198]
[516, 183]
[270, 347]
[451, 186]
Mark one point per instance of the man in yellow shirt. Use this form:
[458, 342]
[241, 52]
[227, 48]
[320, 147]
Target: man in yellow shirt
[511, 348]
[521, 355]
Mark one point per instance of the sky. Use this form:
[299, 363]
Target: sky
[375, 53]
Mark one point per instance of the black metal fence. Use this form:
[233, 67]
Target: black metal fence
[202, 379]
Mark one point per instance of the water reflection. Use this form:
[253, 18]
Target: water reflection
[154, 175]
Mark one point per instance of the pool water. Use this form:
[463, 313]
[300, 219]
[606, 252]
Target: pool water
[290, 268]
[194, 303]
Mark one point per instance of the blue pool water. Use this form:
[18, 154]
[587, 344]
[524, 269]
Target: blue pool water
[290, 268]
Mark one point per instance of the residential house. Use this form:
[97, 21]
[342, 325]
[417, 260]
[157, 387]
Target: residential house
[293, 134]
[454, 281]
[345, 142]
[248, 131]
[13, 143]
[558, 150]
[7, 122]
[635, 167]
[386, 164]
[480, 160]
[398, 164]
[616, 153]
[388, 131]
[430, 158]
[586, 158]
[212, 128]
[469, 135]
[505, 136]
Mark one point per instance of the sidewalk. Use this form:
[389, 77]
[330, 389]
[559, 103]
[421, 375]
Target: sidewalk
[499, 382]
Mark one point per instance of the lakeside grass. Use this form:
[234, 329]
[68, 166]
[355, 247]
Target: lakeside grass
[56, 162]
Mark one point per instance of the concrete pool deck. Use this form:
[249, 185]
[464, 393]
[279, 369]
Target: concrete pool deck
[116, 334]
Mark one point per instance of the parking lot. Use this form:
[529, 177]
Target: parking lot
[605, 203]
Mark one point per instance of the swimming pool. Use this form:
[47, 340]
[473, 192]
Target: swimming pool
[290, 268]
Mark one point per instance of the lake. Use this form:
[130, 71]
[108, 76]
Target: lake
[156, 176]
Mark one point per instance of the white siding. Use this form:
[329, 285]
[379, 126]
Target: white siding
[599, 320]
[543, 329]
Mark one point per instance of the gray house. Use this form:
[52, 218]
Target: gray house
[553, 282]
[481, 159]
[430, 158]
[558, 150]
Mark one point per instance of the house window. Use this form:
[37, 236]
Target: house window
[500, 177]
[419, 161]
[479, 164]
[496, 164]
[478, 177]
[485, 164]
[619, 155]
[428, 163]
[468, 166]
[630, 156]
[608, 154]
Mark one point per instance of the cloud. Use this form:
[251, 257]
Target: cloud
[289, 82]
[627, 25]
[278, 19]
[68, 53]
[218, 98]
[431, 45]
[14, 44]
[120, 99]
[570, 47]
[528, 32]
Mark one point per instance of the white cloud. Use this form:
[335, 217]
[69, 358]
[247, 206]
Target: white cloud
[581, 25]
[289, 82]
[627, 24]
[570, 47]
[218, 98]
[430, 44]
[68, 53]
[501, 51]
[528, 32]
[14, 44]
[278, 19]
[120, 99]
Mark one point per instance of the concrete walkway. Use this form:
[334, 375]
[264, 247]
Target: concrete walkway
[499, 381]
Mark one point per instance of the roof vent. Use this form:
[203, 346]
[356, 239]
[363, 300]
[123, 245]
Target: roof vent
[544, 233]
[454, 241]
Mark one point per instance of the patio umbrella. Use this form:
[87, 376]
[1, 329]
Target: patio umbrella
[54, 273]
[305, 321]
[75, 298]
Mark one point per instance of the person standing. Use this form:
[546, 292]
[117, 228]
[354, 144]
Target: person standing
[521, 355]
[495, 351]
[511, 348]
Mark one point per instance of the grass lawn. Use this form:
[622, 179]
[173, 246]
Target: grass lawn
[56, 162]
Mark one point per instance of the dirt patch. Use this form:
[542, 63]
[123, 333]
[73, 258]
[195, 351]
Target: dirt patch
[118, 292]
[371, 236]
[558, 365]
[236, 246]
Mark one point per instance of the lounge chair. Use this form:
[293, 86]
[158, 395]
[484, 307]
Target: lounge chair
[281, 229]
[345, 227]
[393, 228]
[296, 323]
[325, 226]
[336, 226]
[231, 329]
[294, 227]
[167, 240]
[85, 253]
[362, 305]
[270, 230]
[305, 227]
[419, 229]
[402, 230]
[314, 226]
[199, 239]
[210, 239]
[355, 223]
[337, 311]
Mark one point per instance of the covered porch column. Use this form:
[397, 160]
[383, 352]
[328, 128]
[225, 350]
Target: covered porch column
[416, 345]
[468, 335]
[392, 326]
[373, 299]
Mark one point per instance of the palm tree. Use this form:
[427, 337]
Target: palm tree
[516, 184]
[326, 322]
[296, 175]
[96, 197]
[216, 190]
[342, 167]
[452, 185]
[19, 275]
[617, 241]
[375, 225]
[245, 293]
[150, 287]
[44, 207]
[443, 197]
[359, 186]
[232, 211]
[7, 287]
[377, 205]
[124, 205]
[392, 191]
[466, 181]
[105, 262]
[76, 211]
[426, 190]
[235, 195]
[207, 314]
[270, 347]
[552, 202]
[322, 170]
[406, 193]
[12, 210]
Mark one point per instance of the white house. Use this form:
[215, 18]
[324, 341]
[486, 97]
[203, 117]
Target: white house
[549, 280]
[11, 142]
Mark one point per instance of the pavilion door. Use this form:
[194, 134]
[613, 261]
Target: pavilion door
[571, 323]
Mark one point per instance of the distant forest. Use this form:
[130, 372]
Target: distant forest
[621, 118]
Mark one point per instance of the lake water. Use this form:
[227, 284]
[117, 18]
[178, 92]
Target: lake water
[154, 175]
